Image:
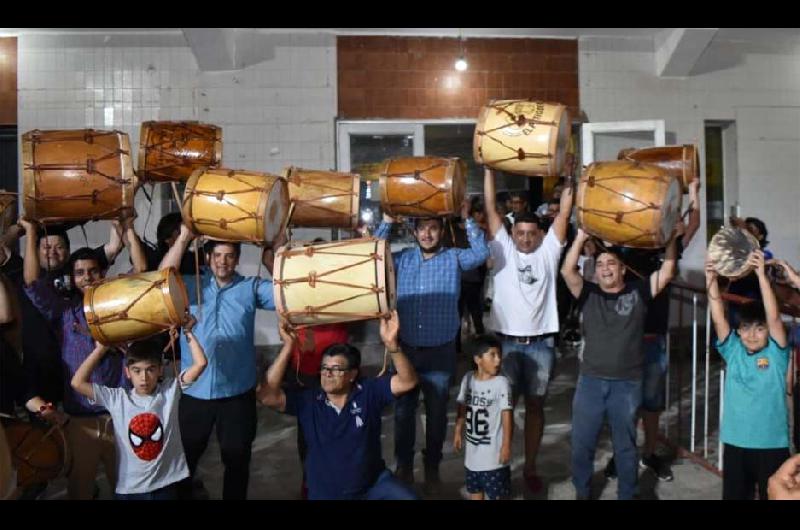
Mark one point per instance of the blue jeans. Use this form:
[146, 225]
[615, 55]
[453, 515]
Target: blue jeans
[528, 367]
[167, 493]
[654, 377]
[435, 367]
[594, 399]
[388, 488]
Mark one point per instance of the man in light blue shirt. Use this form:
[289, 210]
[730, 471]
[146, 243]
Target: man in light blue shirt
[428, 288]
[224, 395]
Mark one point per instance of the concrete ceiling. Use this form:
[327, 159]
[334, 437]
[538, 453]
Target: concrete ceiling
[676, 50]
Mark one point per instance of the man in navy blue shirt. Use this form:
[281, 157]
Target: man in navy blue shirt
[342, 421]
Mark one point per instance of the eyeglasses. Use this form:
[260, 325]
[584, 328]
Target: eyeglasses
[332, 370]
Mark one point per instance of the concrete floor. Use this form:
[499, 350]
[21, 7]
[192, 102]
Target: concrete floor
[275, 469]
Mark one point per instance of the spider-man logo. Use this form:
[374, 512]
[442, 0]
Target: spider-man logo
[146, 436]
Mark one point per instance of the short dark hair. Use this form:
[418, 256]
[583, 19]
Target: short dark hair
[761, 228]
[554, 201]
[418, 220]
[482, 344]
[518, 195]
[348, 351]
[83, 253]
[58, 231]
[167, 226]
[211, 244]
[615, 251]
[752, 313]
[528, 217]
[147, 350]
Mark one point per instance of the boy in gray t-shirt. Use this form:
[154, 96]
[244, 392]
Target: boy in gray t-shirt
[150, 454]
[485, 409]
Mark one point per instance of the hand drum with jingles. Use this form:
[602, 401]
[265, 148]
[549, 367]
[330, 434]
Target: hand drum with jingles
[135, 306]
[77, 175]
[628, 203]
[170, 151]
[522, 136]
[327, 283]
[236, 205]
[323, 198]
[422, 186]
[729, 251]
[39, 453]
[680, 161]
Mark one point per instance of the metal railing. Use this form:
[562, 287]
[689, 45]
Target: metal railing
[703, 387]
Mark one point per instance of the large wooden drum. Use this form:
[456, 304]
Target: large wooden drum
[39, 453]
[628, 203]
[680, 161]
[323, 198]
[77, 175]
[171, 151]
[422, 186]
[236, 205]
[522, 136]
[136, 306]
[334, 282]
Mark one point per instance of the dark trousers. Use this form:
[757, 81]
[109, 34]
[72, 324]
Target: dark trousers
[167, 493]
[235, 420]
[744, 469]
[471, 301]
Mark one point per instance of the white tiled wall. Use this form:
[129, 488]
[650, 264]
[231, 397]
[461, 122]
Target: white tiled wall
[274, 113]
[758, 91]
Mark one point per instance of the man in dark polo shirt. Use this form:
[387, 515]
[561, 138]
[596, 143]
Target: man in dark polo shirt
[342, 421]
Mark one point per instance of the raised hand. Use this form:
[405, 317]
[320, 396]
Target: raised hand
[389, 330]
[286, 331]
[756, 260]
[711, 272]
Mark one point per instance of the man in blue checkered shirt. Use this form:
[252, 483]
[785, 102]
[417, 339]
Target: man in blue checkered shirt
[428, 288]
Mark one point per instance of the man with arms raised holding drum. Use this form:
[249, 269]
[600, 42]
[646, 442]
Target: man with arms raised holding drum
[428, 288]
[87, 426]
[524, 312]
[610, 380]
[224, 395]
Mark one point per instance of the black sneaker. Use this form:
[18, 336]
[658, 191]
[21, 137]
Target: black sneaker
[661, 469]
[611, 469]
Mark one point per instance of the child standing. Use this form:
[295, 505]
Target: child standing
[150, 455]
[485, 409]
[755, 428]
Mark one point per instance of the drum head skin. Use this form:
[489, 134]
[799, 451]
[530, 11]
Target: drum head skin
[277, 208]
[728, 252]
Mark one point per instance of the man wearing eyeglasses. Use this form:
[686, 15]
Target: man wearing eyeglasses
[525, 312]
[342, 421]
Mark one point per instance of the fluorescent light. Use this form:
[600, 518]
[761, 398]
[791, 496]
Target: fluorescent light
[461, 64]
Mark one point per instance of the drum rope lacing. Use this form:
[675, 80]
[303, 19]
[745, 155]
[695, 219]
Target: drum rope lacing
[417, 175]
[295, 179]
[62, 448]
[519, 120]
[223, 223]
[615, 215]
[313, 278]
[207, 157]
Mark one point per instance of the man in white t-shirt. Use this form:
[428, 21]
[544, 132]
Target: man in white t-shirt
[524, 312]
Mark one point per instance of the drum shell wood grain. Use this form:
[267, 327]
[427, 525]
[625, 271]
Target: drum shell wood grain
[8, 211]
[680, 161]
[39, 453]
[499, 137]
[422, 186]
[163, 303]
[323, 199]
[77, 175]
[236, 205]
[170, 151]
[623, 187]
[293, 299]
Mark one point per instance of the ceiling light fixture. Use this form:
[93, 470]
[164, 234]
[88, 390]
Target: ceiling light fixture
[461, 62]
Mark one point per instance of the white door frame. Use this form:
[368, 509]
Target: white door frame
[588, 130]
[344, 129]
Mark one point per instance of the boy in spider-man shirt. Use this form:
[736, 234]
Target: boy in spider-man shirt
[151, 461]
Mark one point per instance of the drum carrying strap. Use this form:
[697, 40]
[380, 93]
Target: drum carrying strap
[418, 175]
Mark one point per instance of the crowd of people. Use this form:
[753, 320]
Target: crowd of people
[149, 428]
